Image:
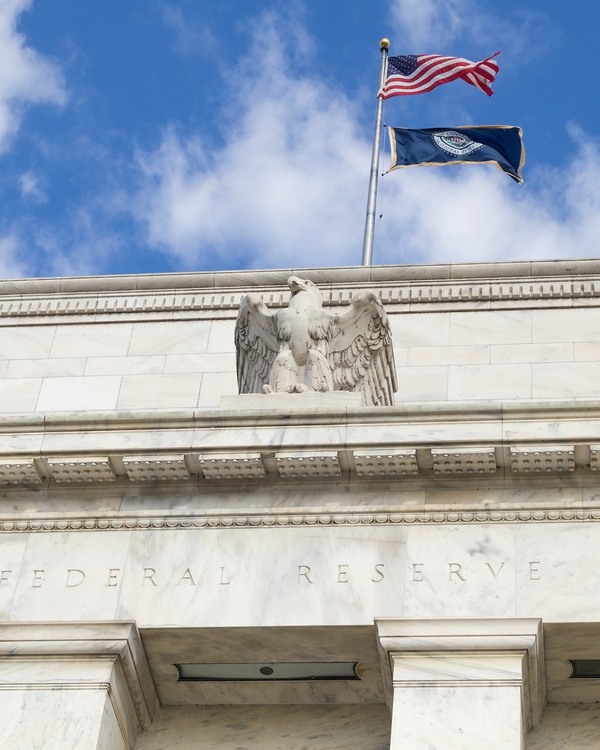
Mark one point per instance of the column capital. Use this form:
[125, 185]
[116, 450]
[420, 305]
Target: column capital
[465, 651]
[92, 655]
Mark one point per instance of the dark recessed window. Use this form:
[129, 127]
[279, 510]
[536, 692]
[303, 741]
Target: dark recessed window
[585, 668]
[268, 671]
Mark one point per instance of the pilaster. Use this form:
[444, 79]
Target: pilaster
[464, 683]
[85, 685]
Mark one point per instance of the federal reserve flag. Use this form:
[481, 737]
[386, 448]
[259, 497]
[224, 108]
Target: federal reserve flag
[501, 145]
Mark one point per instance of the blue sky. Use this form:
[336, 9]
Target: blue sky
[177, 135]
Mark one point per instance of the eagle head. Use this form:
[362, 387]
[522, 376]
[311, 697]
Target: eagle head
[298, 286]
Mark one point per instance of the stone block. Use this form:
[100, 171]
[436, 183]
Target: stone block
[168, 468]
[308, 464]
[80, 470]
[393, 463]
[18, 472]
[232, 466]
[464, 461]
[542, 459]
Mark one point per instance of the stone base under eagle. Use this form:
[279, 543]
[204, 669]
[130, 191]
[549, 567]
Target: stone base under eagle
[305, 348]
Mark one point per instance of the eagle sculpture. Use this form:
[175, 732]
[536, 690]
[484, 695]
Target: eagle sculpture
[306, 348]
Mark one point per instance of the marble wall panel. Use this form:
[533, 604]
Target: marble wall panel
[214, 385]
[449, 355]
[76, 394]
[159, 391]
[587, 351]
[420, 329]
[467, 382]
[221, 336]
[91, 340]
[439, 356]
[26, 342]
[46, 368]
[19, 395]
[401, 355]
[490, 327]
[268, 728]
[170, 337]
[422, 384]
[200, 363]
[565, 325]
[565, 380]
[527, 353]
[132, 365]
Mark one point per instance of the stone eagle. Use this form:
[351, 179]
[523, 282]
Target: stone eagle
[305, 348]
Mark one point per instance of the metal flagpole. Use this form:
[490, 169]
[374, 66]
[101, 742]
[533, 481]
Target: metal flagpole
[367, 257]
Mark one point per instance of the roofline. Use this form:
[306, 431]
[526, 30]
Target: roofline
[278, 277]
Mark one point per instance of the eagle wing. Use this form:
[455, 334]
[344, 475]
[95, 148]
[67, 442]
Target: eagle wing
[361, 356]
[256, 344]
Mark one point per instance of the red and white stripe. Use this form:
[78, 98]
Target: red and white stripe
[434, 70]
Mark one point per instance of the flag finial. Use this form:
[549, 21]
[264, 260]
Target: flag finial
[384, 44]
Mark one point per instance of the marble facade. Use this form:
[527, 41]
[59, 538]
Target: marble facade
[446, 546]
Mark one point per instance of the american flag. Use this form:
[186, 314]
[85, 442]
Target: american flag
[418, 74]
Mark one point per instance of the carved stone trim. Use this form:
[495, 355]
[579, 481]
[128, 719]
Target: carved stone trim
[294, 519]
[299, 464]
[18, 471]
[542, 459]
[163, 468]
[228, 466]
[386, 463]
[377, 463]
[507, 291]
[80, 469]
[464, 461]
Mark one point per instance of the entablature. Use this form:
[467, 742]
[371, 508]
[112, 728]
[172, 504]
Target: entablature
[407, 445]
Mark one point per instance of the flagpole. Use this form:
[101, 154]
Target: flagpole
[367, 257]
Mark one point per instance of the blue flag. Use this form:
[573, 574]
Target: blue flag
[475, 144]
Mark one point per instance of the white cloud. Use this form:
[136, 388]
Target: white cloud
[26, 77]
[30, 187]
[11, 263]
[190, 37]
[477, 213]
[433, 27]
[287, 187]
[421, 24]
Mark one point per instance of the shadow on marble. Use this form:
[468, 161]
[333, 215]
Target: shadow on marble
[567, 726]
[268, 728]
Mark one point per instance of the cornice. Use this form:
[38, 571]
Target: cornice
[410, 443]
[400, 288]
